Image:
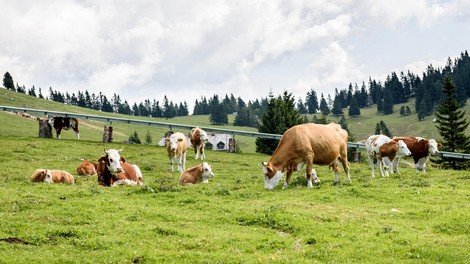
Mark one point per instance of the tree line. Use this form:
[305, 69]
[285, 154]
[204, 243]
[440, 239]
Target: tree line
[424, 89]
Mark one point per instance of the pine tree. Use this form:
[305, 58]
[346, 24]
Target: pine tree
[451, 124]
[422, 110]
[324, 109]
[148, 138]
[279, 116]
[312, 102]
[381, 128]
[8, 81]
[218, 115]
[387, 102]
[337, 106]
[354, 107]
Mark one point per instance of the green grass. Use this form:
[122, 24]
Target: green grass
[406, 218]
[231, 219]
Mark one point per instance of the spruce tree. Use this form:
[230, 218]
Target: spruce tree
[354, 107]
[280, 115]
[337, 106]
[422, 110]
[387, 102]
[324, 109]
[451, 124]
[8, 81]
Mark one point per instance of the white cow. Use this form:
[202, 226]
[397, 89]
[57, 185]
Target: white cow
[176, 147]
[385, 150]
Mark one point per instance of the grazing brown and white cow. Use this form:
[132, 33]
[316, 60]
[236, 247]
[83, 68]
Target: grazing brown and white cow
[176, 146]
[198, 138]
[52, 176]
[385, 150]
[420, 149]
[66, 123]
[87, 168]
[307, 144]
[200, 173]
[113, 170]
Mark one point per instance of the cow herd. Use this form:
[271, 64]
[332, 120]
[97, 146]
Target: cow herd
[113, 169]
[300, 146]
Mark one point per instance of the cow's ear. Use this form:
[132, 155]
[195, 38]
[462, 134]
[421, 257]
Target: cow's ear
[200, 167]
[122, 159]
[101, 160]
[439, 145]
[167, 139]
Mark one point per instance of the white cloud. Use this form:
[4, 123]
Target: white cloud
[146, 49]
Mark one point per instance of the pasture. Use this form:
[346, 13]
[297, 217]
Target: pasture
[406, 218]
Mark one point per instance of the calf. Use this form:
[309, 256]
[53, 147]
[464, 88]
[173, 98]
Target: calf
[87, 168]
[176, 146]
[198, 139]
[66, 123]
[420, 149]
[52, 176]
[200, 173]
[113, 170]
[385, 150]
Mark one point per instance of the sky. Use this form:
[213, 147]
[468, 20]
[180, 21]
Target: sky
[148, 49]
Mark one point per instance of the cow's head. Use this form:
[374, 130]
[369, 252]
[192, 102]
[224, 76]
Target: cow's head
[48, 177]
[50, 120]
[433, 147]
[173, 141]
[402, 149]
[207, 173]
[113, 160]
[271, 176]
[203, 135]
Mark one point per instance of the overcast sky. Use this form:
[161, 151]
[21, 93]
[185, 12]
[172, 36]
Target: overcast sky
[185, 49]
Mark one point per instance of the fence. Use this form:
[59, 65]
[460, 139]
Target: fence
[181, 126]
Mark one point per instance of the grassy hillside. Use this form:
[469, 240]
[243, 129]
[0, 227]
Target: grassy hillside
[232, 219]
[361, 127]
[403, 218]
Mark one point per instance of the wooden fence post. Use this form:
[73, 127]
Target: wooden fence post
[45, 129]
[108, 134]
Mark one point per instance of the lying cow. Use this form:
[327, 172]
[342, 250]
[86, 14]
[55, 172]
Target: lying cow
[66, 123]
[420, 149]
[176, 146]
[307, 144]
[385, 150]
[113, 170]
[52, 176]
[87, 168]
[198, 139]
[200, 173]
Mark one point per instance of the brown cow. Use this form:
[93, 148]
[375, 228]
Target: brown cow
[198, 138]
[200, 173]
[385, 150]
[87, 167]
[307, 144]
[52, 176]
[113, 170]
[66, 123]
[420, 149]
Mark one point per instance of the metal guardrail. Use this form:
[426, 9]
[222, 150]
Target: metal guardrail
[446, 154]
[137, 122]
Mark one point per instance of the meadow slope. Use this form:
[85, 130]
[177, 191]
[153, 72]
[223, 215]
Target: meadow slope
[405, 218]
